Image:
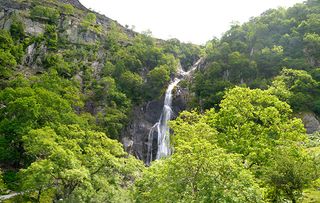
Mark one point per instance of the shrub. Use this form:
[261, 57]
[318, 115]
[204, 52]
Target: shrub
[67, 9]
[45, 13]
[89, 23]
[17, 29]
[51, 36]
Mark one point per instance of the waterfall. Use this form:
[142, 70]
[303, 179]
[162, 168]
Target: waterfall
[163, 148]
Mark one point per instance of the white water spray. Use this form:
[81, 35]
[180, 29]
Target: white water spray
[163, 148]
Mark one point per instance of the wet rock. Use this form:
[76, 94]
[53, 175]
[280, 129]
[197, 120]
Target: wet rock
[143, 118]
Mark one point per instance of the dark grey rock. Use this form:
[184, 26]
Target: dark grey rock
[135, 136]
[143, 118]
[310, 121]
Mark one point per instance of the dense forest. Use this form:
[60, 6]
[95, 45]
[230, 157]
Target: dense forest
[70, 79]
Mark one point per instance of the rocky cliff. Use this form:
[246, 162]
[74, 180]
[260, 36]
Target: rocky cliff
[69, 26]
[75, 40]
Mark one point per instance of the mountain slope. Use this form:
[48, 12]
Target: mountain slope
[254, 53]
[69, 81]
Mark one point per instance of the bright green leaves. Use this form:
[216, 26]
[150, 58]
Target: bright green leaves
[157, 78]
[7, 63]
[90, 23]
[10, 54]
[51, 15]
[188, 126]
[250, 150]
[71, 160]
[51, 36]
[253, 122]
[131, 84]
[298, 88]
[289, 171]
[198, 172]
[24, 109]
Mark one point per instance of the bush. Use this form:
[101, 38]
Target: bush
[89, 23]
[2, 185]
[17, 29]
[6, 42]
[11, 180]
[68, 9]
[51, 36]
[7, 63]
[56, 61]
[45, 13]
[157, 79]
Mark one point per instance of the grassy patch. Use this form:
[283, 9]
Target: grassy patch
[311, 196]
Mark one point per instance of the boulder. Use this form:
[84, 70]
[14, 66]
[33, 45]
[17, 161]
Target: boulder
[310, 121]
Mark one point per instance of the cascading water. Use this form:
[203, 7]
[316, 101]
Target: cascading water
[163, 148]
[163, 128]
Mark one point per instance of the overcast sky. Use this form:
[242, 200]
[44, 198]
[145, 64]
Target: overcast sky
[194, 21]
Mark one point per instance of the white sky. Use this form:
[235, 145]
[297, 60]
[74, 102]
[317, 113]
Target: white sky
[194, 21]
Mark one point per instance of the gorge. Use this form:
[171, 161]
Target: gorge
[92, 111]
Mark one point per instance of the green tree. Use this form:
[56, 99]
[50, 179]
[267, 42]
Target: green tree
[157, 78]
[258, 127]
[7, 64]
[253, 123]
[9, 53]
[24, 109]
[131, 84]
[79, 165]
[17, 29]
[115, 106]
[198, 171]
[298, 87]
[114, 37]
[51, 36]
[269, 61]
[312, 43]
[289, 171]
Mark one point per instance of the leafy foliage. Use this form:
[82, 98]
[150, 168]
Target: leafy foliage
[253, 53]
[257, 128]
[64, 104]
[79, 165]
[45, 13]
[198, 172]
[89, 22]
[2, 185]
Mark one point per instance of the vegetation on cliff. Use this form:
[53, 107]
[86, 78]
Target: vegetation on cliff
[69, 79]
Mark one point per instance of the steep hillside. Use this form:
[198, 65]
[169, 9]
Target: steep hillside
[78, 92]
[254, 53]
[67, 70]
[100, 67]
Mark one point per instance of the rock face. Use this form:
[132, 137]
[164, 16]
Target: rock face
[310, 121]
[69, 26]
[74, 3]
[73, 34]
[135, 136]
[136, 133]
